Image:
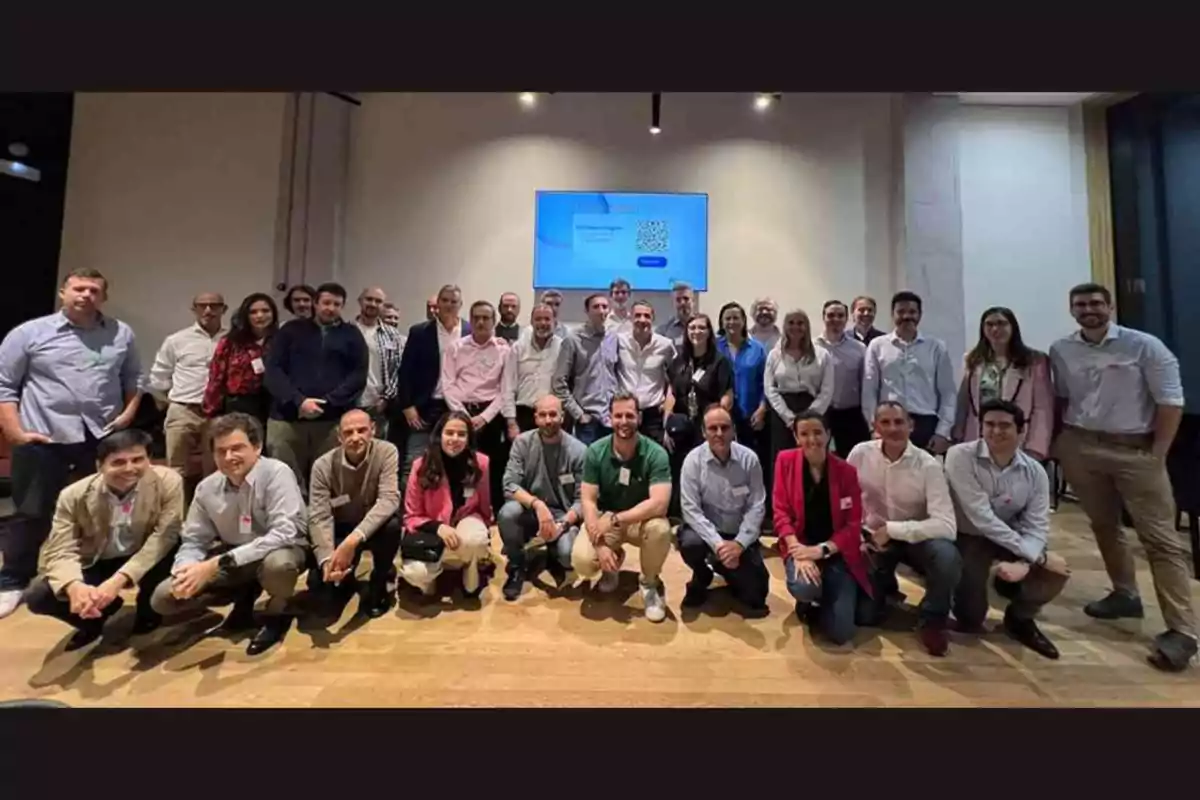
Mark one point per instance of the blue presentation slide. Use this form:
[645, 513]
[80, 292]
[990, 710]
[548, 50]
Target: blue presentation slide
[584, 240]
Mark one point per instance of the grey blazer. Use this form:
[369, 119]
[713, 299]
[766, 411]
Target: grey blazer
[527, 470]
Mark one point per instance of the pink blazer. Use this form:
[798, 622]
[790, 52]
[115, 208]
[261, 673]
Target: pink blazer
[1029, 388]
[423, 505]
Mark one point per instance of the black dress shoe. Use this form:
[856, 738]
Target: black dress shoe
[695, 596]
[146, 623]
[84, 635]
[1116, 605]
[557, 571]
[269, 635]
[1029, 634]
[514, 584]
[1172, 652]
[377, 601]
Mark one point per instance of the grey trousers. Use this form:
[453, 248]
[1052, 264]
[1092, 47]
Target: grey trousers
[276, 574]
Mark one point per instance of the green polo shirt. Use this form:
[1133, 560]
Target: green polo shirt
[601, 467]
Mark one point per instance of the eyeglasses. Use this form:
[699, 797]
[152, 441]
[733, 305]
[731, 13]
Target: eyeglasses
[213, 306]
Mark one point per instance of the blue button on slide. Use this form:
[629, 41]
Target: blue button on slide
[652, 261]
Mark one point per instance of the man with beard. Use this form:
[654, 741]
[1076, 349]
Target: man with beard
[643, 362]
[508, 328]
[554, 299]
[529, 374]
[765, 331]
[586, 375]
[846, 422]
[675, 328]
[384, 350]
[626, 491]
[1121, 400]
[863, 309]
[541, 487]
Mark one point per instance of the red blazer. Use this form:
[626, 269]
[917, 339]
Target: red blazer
[845, 505]
[423, 505]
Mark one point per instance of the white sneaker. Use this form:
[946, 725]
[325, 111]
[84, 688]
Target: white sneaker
[10, 600]
[656, 606]
[609, 582]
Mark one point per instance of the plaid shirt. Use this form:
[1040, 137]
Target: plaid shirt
[391, 347]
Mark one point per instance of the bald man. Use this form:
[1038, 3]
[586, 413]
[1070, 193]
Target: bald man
[384, 347]
[541, 492]
[177, 381]
[353, 499]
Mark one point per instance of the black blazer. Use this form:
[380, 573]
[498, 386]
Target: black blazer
[873, 333]
[420, 368]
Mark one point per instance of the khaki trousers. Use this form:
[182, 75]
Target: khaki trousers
[476, 538]
[652, 538]
[185, 429]
[300, 444]
[1105, 470]
[276, 573]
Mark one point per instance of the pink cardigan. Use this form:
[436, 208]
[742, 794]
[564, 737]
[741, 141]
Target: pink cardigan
[425, 505]
[1029, 388]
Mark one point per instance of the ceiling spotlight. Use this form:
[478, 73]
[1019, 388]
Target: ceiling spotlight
[764, 100]
[655, 113]
[527, 99]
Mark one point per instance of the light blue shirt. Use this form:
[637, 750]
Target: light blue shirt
[271, 498]
[1114, 386]
[726, 498]
[66, 379]
[848, 356]
[1008, 505]
[916, 374]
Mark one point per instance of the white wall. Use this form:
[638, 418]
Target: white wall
[172, 194]
[1024, 215]
[441, 189]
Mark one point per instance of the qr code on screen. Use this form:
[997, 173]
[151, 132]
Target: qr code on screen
[653, 236]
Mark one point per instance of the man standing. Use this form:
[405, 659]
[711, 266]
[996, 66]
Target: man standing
[1002, 502]
[384, 350]
[643, 360]
[473, 381]
[352, 507]
[178, 378]
[66, 380]
[112, 530]
[863, 309]
[1123, 401]
[675, 328]
[845, 415]
[529, 374]
[765, 331]
[541, 490]
[909, 517]
[316, 369]
[508, 328]
[626, 491]
[914, 371]
[554, 299]
[391, 316]
[246, 531]
[586, 377]
[723, 504]
[618, 319]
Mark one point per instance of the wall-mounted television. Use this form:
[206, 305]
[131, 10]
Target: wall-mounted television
[584, 240]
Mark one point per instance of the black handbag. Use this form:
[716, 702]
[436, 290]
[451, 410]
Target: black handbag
[420, 546]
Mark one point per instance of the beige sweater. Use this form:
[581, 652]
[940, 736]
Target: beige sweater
[371, 491]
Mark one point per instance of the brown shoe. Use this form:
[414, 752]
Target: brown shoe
[933, 637]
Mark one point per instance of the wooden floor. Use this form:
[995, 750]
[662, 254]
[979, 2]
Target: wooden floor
[580, 650]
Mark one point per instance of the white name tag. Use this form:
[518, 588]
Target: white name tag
[339, 501]
[623, 476]
[846, 503]
[697, 375]
[257, 366]
[468, 492]
[245, 525]
[124, 512]
[741, 491]
[566, 479]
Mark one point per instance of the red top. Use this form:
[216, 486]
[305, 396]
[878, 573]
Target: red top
[231, 372]
[422, 506]
[845, 507]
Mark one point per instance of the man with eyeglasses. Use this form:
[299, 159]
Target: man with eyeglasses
[177, 381]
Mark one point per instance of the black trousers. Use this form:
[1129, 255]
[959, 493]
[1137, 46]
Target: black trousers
[848, 427]
[924, 427]
[525, 418]
[256, 405]
[40, 598]
[383, 547]
[492, 441]
[760, 443]
[39, 473]
[749, 582]
[682, 443]
[652, 423]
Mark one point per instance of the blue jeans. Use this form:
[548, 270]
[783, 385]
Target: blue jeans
[591, 432]
[518, 525]
[843, 605]
[937, 561]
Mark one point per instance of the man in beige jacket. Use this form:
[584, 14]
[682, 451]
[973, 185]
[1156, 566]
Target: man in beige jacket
[111, 530]
[352, 504]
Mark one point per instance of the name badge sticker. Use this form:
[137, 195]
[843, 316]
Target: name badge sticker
[623, 476]
[258, 367]
[566, 479]
[846, 503]
[468, 492]
[741, 491]
[245, 525]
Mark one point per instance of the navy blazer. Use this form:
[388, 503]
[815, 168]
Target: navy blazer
[420, 369]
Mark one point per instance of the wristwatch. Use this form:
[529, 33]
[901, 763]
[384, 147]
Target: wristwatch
[226, 561]
[826, 550]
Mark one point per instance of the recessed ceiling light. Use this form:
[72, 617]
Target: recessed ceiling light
[763, 101]
[528, 99]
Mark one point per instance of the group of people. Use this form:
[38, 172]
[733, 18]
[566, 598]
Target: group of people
[294, 448]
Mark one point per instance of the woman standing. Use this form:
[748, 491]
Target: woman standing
[798, 376]
[748, 358]
[235, 374]
[817, 507]
[447, 509]
[698, 377]
[1002, 367]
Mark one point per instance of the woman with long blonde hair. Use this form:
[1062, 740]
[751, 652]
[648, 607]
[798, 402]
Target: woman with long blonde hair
[798, 377]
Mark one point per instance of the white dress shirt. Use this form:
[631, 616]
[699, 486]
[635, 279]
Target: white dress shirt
[786, 375]
[916, 374]
[642, 371]
[910, 494]
[374, 388]
[1008, 505]
[446, 339]
[180, 368]
[529, 374]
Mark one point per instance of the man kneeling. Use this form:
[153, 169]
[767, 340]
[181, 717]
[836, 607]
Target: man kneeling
[353, 502]
[626, 491]
[1002, 500]
[723, 501]
[246, 531]
[111, 530]
[541, 482]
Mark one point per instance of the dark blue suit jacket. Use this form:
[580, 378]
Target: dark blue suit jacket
[420, 368]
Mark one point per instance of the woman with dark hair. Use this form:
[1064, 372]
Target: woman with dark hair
[798, 376]
[698, 377]
[235, 374]
[447, 509]
[1002, 367]
[300, 301]
[748, 359]
[817, 505]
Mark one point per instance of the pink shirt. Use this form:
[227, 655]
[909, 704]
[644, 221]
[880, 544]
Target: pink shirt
[474, 373]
